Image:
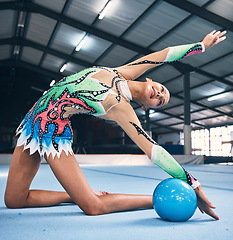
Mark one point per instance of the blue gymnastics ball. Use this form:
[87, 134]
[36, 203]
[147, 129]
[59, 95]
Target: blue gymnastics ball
[174, 200]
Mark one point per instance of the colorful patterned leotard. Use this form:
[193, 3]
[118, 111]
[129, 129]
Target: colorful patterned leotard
[47, 128]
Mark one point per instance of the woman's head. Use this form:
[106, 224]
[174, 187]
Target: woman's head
[154, 95]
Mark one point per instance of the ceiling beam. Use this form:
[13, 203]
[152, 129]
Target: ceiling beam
[200, 110]
[210, 75]
[193, 121]
[199, 119]
[170, 115]
[29, 66]
[194, 128]
[40, 70]
[159, 126]
[203, 13]
[177, 117]
[204, 106]
[28, 43]
[14, 5]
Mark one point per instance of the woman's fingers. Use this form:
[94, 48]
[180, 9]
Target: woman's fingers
[213, 32]
[211, 205]
[216, 33]
[201, 210]
[222, 33]
[212, 214]
[209, 211]
[222, 38]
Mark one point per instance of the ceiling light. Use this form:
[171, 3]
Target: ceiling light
[216, 97]
[16, 50]
[81, 43]
[105, 10]
[22, 18]
[52, 83]
[63, 68]
[154, 114]
[37, 89]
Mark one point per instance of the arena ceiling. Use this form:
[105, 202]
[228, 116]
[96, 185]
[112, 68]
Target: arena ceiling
[38, 37]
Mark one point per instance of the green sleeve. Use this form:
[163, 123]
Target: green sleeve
[164, 160]
[178, 52]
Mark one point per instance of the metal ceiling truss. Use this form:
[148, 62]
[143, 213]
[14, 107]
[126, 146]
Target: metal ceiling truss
[204, 83]
[32, 7]
[54, 32]
[206, 107]
[29, 66]
[170, 115]
[202, 13]
[29, 43]
[174, 125]
[169, 32]
[158, 125]
[170, 126]
[198, 119]
[127, 30]
[220, 113]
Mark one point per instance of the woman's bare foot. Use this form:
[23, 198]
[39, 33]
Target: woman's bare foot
[100, 193]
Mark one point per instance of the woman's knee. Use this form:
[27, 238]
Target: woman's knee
[10, 203]
[13, 202]
[95, 208]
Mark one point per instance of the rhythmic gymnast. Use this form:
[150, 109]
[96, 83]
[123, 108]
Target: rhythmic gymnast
[105, 93]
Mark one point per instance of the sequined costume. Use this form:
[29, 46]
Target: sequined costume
[101, 92]
[47, 128]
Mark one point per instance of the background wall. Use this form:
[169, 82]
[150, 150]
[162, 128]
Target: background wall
[170, 138]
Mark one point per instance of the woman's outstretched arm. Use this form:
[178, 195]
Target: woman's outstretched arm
[136, 68]
[125, 116]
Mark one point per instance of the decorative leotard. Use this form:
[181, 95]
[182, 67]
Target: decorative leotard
[47, 128]
[104, 93]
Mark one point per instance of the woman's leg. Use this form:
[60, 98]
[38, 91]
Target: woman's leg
[69, 174]
[25, 166]
[22, 170]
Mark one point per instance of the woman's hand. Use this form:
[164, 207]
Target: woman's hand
[213, 38]
[204, 205]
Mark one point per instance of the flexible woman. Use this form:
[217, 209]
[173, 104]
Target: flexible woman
[105, 93]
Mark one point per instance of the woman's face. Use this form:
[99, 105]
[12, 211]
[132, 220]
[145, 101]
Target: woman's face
[155, 95]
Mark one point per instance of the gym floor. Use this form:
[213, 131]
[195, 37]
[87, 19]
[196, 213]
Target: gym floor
[67, 221]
